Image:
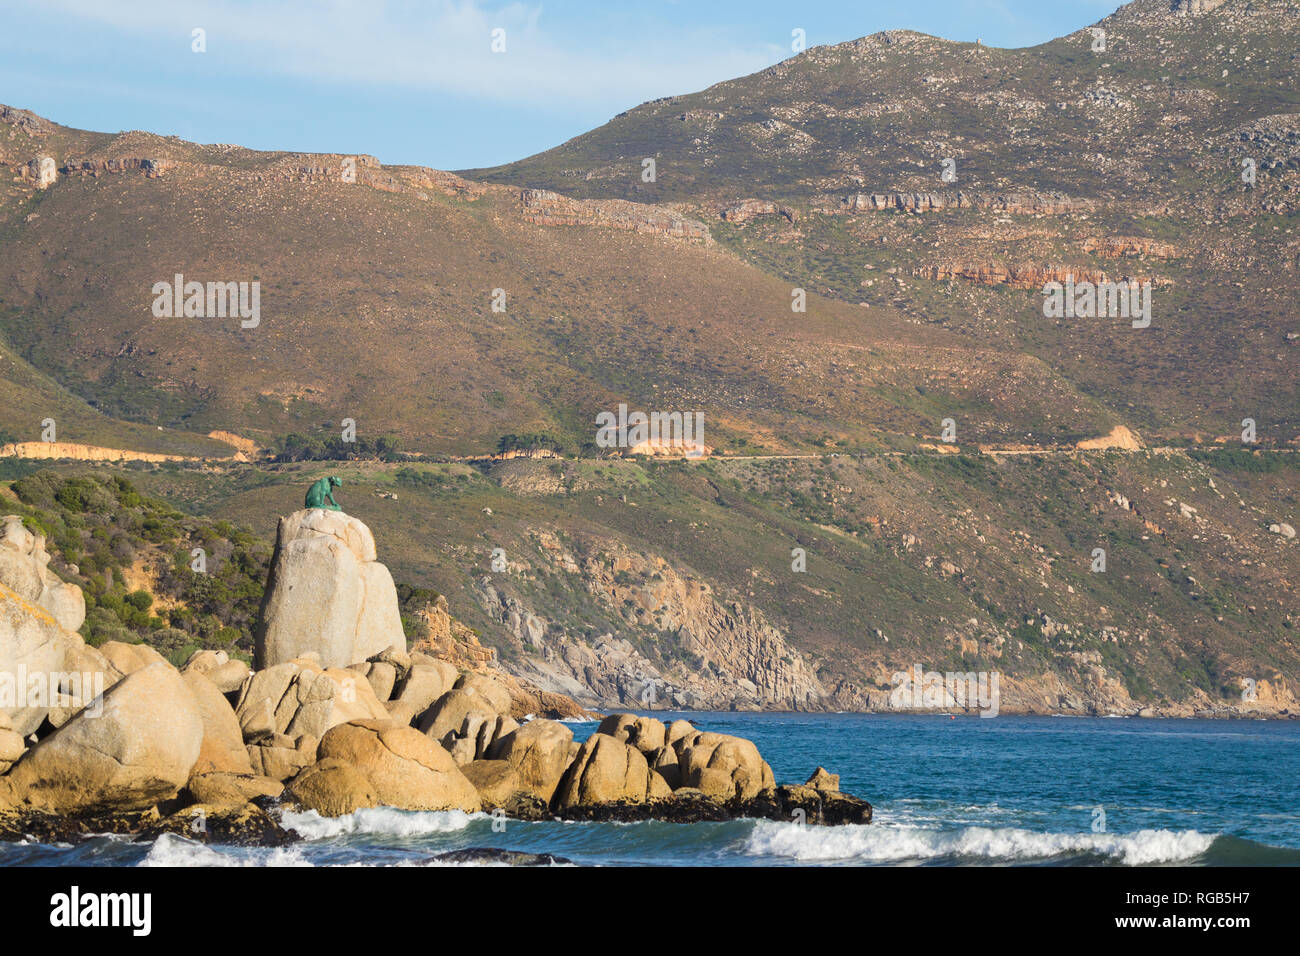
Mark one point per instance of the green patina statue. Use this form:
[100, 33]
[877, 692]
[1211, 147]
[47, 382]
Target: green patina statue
[321, 494]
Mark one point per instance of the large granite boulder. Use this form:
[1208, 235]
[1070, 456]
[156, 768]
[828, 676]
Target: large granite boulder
[32, 651]
[38, 617]
[606, 770]
[404, 767]
[24, 567]
[539, 752]
[646, 734]
[138, 749]
[301, 697]
[223, 743]
[723, 766]
[332, 788]
[327, 594]
[466, 722]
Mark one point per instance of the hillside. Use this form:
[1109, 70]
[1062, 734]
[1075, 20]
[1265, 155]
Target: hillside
[384, 287]
[449, 316]
[827, 170]
[617, 575]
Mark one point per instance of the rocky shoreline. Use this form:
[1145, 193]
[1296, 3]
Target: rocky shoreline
[338, 717]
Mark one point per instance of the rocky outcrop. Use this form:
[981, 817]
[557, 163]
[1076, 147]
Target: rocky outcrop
[24, 567]
[329, 168]
[24, 120]
[1121, 247]
[39, 615]
[139, 750]
[162, 749]
[722, 766]
[747, 209]
[1118, 437]
[152, 167]
[448, 639]
[738, 659]
[448, 644]
[1024, 203]
[545, 208]
[1022, 275]
[822, 779]
[611, 779]
[301, 697]
[671, 448]
[245, 446]
[538, 752]
[327, 594]
[403, 766]
[469, 719]
[1194, 7]
[606, 770]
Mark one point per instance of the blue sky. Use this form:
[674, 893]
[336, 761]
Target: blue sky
[416, 81]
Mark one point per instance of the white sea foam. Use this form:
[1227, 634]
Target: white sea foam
[874, 843]
[172, 850]
[310, 825]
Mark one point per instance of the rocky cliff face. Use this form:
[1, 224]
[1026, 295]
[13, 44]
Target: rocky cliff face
[1023, 275]
[1023, 203]
[748, 209]
[546, 208]
[700, 650]
[77, 452]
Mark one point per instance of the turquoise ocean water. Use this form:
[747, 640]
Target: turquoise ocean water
[947, 792]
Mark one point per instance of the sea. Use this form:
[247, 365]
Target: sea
[947, 791]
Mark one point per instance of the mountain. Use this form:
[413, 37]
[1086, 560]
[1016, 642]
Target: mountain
[384, 288]
[827, 170]
[834, 537]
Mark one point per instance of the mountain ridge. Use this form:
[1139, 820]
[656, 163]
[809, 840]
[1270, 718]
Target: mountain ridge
[924, 433]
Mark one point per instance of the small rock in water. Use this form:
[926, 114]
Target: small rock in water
[491, 856]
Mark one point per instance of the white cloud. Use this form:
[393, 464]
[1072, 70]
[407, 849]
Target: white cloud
[438, 46]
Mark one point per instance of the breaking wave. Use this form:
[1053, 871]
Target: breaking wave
[387, 821]
[877, 844]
